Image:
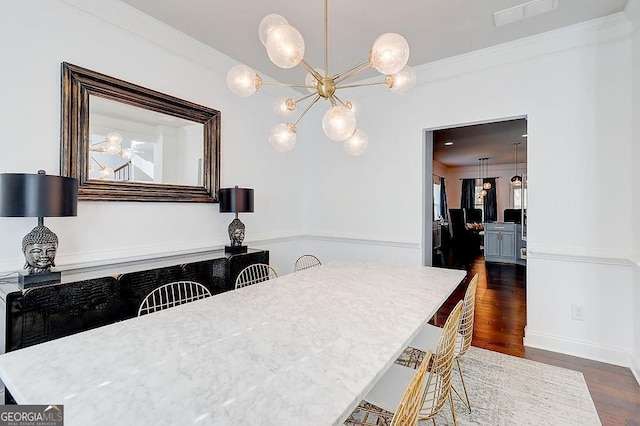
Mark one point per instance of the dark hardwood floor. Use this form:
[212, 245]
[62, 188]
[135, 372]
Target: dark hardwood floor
[499, 326]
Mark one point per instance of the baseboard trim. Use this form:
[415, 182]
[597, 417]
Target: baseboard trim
[579, 348]
[635, 368]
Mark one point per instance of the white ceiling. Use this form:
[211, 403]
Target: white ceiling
[494, 141]
[434, 29]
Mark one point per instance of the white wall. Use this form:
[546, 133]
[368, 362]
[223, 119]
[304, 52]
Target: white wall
[633, 12]
[578, 104]
[36, 36]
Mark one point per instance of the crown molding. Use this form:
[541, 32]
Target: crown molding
[632, 11]
[612, 27]
[133, 21]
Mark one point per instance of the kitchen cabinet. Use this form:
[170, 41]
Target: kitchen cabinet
[500, 242]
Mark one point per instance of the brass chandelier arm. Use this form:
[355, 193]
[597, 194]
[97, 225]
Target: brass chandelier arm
[307, 109]
[277, 83]
[326, 38]
[352, 71]
[97, 162]
[360, 85]
[339, 100]
[310, 70]
[305, 97]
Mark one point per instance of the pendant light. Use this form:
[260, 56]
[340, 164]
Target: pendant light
[482, 161]
[486, 185]
[479, 198]
[516, 180]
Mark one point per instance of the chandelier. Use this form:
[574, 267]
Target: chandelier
[285, 47]
[110, 145]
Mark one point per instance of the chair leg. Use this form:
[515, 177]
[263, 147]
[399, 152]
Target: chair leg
[453, 409]
[464, 386]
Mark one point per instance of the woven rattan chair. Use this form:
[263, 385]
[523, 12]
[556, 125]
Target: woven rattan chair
[172, 294]
[408, 407]
[305, 262]
[437, 388]
[255, 273]
[429, 336]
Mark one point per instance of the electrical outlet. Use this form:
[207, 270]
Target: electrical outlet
[577, 312]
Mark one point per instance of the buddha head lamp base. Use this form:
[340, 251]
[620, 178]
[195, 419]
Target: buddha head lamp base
[236, 200]
[38, 195]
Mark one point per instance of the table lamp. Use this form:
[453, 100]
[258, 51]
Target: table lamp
[236, 200]
[38, 195]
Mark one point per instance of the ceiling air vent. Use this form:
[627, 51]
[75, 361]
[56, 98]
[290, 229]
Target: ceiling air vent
[523, 11]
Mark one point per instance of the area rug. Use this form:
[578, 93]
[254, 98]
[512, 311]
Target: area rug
[506, 390]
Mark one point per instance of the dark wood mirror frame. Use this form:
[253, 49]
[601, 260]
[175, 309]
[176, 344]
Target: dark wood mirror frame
[77, 84]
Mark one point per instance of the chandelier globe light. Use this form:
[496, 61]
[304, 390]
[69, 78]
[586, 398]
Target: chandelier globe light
[339, 123]
[283, 137]
[286, 48]
[357, 143]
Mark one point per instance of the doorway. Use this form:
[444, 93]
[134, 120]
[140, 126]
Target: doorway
[475, 176]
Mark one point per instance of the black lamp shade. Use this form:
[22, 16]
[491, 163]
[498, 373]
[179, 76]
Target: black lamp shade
[236, 200]
[37, 195]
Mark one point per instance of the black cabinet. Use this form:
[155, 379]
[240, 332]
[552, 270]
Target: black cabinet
[95, 297]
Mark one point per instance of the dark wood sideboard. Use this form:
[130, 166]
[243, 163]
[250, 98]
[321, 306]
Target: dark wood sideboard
[93, 297]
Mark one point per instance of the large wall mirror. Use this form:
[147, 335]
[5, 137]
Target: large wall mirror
[124, 142]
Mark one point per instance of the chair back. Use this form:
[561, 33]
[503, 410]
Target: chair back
[465, 331]
[254, 274]
[456, 224]
[472, 215]
[438, 384]
[305, 262]
[172, 294]
[409, 407]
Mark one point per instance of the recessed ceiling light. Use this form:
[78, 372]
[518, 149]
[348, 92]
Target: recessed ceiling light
[448, 143]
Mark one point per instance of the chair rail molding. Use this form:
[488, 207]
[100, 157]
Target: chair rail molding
[577, 254]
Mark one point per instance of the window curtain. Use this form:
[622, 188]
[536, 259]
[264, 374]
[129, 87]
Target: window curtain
[467, 198]
[444, 210]
[490, 202]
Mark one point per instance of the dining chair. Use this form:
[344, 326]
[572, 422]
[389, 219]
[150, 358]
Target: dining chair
[408, 406]
[305, 262]
[429, 336]
[255, 273]
[437, 387]
[172, 294]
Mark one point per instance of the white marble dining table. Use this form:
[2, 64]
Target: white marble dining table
[303, 349]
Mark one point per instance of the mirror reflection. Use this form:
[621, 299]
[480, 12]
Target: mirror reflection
[127, 143]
